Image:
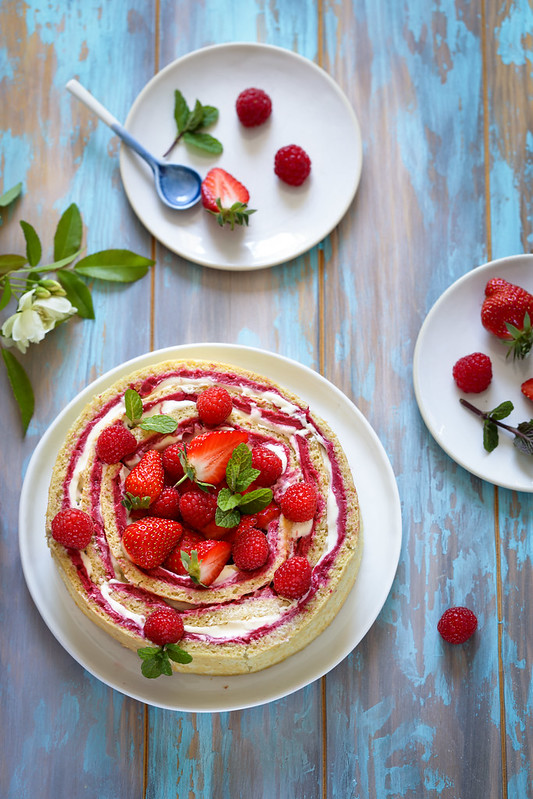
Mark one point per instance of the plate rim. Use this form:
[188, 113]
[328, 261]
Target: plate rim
[303, 248]
[495, 264]
[177, 351]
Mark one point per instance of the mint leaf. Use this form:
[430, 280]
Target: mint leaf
[239, 471]
[203, 141]
[502, 410]
[10, 262]
[118, 266]
[229, 518]
[78, 293]
[256, 500]
[33, 243]
[210, 115]
[159, 423]
[195, 117]
[177, 654]
[490, 436]
[524, 443]
[11, 194]
[148, 652]
[227, 500]
[68, 235]
[134, 405]
[181, 110]
[21, 387]
[6, 294]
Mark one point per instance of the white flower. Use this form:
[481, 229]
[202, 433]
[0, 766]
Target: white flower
[34, 318]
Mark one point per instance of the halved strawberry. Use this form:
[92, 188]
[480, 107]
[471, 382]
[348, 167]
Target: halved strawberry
[145, 481]
[215, 531]
[226, 198]
[208, 455]
[212, 557]
[149, 541]
[189, 541]
[527, 388]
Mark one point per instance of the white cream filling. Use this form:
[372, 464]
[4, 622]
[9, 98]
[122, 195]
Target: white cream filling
[235, 628]
[118, 607]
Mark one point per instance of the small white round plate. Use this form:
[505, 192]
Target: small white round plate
[118, 667]
[309, 109]
[452, 329]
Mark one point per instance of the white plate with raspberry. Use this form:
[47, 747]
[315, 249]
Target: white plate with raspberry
[288, 220]
[119, 667]
[451, 330]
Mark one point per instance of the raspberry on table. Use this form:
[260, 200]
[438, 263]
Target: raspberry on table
[299, 502]
[214, 405]
[253, 107]
[269, 465]
[292, 165]
[164, 626]
[114, 443]
[197, 508]
[293, 578]
[73, 528]
[473, 373]
[250, 549]
[457, 624]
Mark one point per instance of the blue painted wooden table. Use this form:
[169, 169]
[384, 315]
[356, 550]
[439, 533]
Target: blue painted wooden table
[442, 92]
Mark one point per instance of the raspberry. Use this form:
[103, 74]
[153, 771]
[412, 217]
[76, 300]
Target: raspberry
[254, 107]
[164, 626]
[457, 625]
[171, 462]
[250, 549]
[298, 503]
[167, 505]
[293, 578]
[72, 528]
[214, 405]
[292, 165]
[197, 508]
[268, 463]
[114, 443]
[473, 373]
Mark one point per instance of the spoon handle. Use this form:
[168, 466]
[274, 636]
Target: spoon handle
[79, 91]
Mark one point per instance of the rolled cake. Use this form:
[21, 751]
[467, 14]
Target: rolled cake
[239, 622]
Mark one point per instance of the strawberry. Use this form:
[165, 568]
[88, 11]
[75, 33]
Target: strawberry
[150, 540]
[145, 481]
[72, 528]
[214, 405]
[268, 514]
[527, 388]
[456, 625]
[207, 561]
[208, 455]
[269, 465]
[250, 549]
[114, 443]
[171, 458]
[164, 626]
[253, 107]
[298, 503]
[167, 505]
[215, 531]
[506, 312]
[197, 508]
[226, 198]
[293, 578]
[189, 541]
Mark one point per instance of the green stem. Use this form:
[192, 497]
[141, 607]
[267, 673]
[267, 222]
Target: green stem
[487, 417]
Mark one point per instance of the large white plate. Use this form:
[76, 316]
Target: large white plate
[120, 668]
[309, 109]
[452, 329]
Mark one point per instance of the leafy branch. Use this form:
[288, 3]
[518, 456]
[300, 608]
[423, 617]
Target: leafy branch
[523, 434]
[49, 294]
[191, 125]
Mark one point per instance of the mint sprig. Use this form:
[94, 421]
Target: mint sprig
[231, 502]
[523, 433]
[191, 125]
[156, 659]
[158, 423]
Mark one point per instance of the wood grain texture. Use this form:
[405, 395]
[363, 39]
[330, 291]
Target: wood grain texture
[442, 94]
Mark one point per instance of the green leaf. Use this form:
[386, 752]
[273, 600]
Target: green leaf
[227, 500]
[134, 404]
[21, 387]
[10, 195]
[525, 445]
[203, 141]
[195, 117]
[181, 110]
[159, 423]
[78, 293]
[119, 266]
[10, 262]
[502, 410]
[6, 294]
[256, 500]
[56, 265]
[148, 652]
[490, 435]
[229, 518]
[33, 243]
[68, 235]
[177, 654]
[152, 667]
[239, 471]
[210, 115]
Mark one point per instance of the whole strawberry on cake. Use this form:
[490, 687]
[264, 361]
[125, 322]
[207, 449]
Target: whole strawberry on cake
[204, 517]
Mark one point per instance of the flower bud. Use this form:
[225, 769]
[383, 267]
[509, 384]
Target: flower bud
[41, 293]
[55, 288]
